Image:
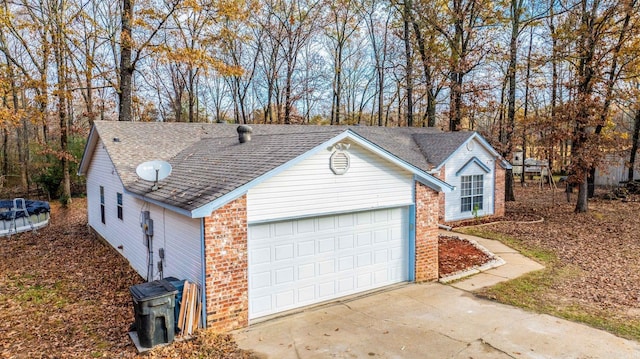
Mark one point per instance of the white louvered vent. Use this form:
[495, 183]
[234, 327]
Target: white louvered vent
[340, 162]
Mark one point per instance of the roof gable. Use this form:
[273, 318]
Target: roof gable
[476, 161]
[440, 147]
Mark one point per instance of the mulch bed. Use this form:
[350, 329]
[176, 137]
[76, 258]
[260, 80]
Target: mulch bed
[455, 255]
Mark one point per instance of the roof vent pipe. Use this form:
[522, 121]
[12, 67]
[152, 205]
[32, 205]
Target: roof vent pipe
[244, 133]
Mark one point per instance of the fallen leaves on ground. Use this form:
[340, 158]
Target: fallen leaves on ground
[456, 254]
[65, 294]
[601, 248]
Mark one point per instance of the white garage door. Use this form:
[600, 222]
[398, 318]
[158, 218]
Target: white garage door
[306, 261]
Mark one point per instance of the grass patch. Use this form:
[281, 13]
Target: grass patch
[42, 295]
[543, 256]
[534, 291]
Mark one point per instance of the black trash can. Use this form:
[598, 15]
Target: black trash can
[153, 305]
[179, 284]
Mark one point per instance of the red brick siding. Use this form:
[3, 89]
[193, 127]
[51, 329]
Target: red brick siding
[441, 196]
[427, 210]
[227, 266]
[498, 195]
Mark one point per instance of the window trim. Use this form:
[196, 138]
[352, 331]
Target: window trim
[473, 199]
[119, 206]
[103, 217]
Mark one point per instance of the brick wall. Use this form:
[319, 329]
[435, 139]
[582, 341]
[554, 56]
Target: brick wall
[441, 196]
[427, 211]
[498, 197]
[227, 266]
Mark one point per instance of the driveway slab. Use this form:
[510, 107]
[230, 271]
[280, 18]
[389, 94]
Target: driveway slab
[428, 321]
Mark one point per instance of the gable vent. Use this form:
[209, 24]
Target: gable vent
[339, 162]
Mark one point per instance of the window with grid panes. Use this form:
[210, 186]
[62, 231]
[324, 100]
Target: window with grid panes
[471, 192]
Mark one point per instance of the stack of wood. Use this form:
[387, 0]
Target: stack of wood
[190, 310]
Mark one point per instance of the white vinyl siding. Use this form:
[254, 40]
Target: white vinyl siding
[177, 234]
[454, 209]
[310, 188]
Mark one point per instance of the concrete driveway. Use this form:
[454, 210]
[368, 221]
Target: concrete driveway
[428, 321]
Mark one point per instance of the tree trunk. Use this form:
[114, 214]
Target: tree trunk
[634, 146]
[126, 67]
[5, 156]
[582, 203]
[60, 59]
[409, 70]
[428, 78]
[511, 73]
[509, 195]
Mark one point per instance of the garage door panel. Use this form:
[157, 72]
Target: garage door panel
[284, 275]
[326, 245]
[260, 231]
[364, 259]
[306, 271]
[306, 225]
[306, 294]
[345, 242]
[260, 256]
[381, 236]
[302, 262]
[326, 290]
[345, 263]
[284, 252]
[283, 229]
[364, 239]
[326, 223]
[306, 248]
[326, 267]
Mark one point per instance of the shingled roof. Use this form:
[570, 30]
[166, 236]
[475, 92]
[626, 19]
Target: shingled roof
[208, 161]
[437, 147]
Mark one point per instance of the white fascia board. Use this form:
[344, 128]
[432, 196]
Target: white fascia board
[87, 154]
[444, 187]
[424, 177]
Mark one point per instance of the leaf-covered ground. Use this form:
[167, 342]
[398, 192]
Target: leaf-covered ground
[64, 294]
[456, 255]
[594, 257]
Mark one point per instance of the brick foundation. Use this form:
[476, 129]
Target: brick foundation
[227, 266]
[427, 210]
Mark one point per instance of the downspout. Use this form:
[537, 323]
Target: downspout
[412, 235]
[203, 260]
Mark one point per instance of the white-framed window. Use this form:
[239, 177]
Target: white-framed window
[471, 193]
[102, 214]
[119, 204]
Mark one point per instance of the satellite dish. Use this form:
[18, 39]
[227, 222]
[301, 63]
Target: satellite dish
[153, 171]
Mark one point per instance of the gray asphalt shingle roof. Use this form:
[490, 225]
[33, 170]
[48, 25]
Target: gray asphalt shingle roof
[437, 147]
[209, 162]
